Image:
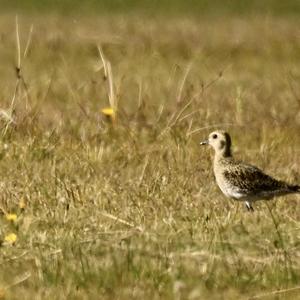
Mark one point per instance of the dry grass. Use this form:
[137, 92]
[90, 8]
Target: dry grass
[130, 210]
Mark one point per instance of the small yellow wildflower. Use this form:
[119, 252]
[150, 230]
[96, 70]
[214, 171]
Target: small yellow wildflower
[11, 217]
[109, 112]
[10, 238]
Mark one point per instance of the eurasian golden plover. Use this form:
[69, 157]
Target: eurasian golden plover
[241, 181]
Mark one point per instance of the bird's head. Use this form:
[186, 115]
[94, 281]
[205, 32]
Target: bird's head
[220, 141]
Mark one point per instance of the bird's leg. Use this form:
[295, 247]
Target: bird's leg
[249, 206]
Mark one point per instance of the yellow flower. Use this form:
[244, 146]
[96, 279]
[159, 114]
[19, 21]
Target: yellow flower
[109, 112]
[10, 238]
[11, 217]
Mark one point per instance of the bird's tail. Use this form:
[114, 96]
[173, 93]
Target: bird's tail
[294, 188]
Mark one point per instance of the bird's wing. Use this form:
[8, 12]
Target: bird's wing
[251, 180]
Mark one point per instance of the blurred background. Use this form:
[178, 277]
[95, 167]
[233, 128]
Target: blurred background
[154, 7]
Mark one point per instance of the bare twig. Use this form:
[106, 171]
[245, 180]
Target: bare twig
[111, 94]
[20, 279]
[179, 96]
[110, 216]
[15, 258]
[140, 99]
[18, 54]
[275, 293]
[211, 126]
[103, 60]
[28, 41]
[144, 169]
[108, 75]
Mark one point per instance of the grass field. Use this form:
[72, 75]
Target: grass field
[125, 206]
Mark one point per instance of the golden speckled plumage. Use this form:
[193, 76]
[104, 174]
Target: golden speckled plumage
[241, 181]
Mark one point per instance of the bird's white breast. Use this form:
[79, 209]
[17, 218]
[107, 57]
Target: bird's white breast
[228, 189]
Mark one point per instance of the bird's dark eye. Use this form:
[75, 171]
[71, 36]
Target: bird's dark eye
[214, 136]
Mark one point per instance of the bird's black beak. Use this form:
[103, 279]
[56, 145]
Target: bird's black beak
[204, 142]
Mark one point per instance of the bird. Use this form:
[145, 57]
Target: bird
[241, 181]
